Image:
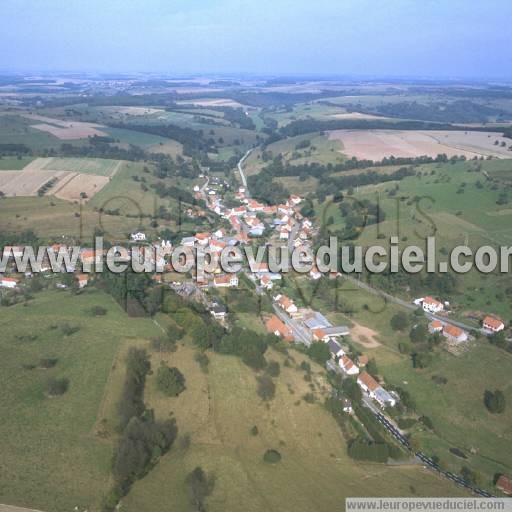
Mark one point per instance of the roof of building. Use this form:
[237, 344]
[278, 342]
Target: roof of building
[493, 322]
[218, 309]
[315, 320]
[318, 333]
[362, 360]
[347, 363]
[383, 396]
[504, 483]
[285, 302]
[275, 324]
[334, 346]
[11, 279]
[368, 381]
[453, 331]
[432, 301]
[223, 279]
[436, 324]
[337, 330]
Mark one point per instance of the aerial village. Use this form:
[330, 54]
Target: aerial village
[279, 224]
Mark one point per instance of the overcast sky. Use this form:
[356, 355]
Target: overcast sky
[424, 38]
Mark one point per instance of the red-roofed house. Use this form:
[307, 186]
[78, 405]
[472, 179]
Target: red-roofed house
[226, 281]
[82, 279]
[348, 366]
[319, 334]
[203, 238]
[367, 383]
[286, 304]
[276, 326]
[9, 282]
[454, 334]
[266, 282]
[504, 484]
[255, 206]
[362, 360]
[432, 305]
[493, 324]
[435, 326]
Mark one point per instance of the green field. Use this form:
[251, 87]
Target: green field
[13, 163]
[314, 473]
[320, 150]
[445, 199]
[99, 166]
[17, 130]
[52, 458]
[52, 218]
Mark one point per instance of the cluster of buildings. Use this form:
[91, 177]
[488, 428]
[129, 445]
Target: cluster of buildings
[490, 324]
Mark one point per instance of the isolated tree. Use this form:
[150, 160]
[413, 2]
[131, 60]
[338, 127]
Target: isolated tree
[494, 402]
[272, 457]
[199, 487]
[266, 388]
[418, 333]
[170, 381]
[399, 321]
[57, 387]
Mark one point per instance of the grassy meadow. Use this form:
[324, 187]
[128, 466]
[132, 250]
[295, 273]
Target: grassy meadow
[52, 457]
[314, 474]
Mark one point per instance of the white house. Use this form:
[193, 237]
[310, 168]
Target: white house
[314, 273]
[286, 304]
[375, 391]
[348, 366]
[9, 282]
[82, 279]
[431, 305]
[266, 282]
[138, 236]
[493, 324]
[226, 281]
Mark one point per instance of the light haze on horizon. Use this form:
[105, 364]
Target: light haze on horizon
[430, 38]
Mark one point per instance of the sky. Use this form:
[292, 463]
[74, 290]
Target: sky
[412, 38]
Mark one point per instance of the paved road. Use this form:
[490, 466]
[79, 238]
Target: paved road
[409, 305]
[202, 189]
[425, 459]
[299, 332]
[11, 508]
[241, 171]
